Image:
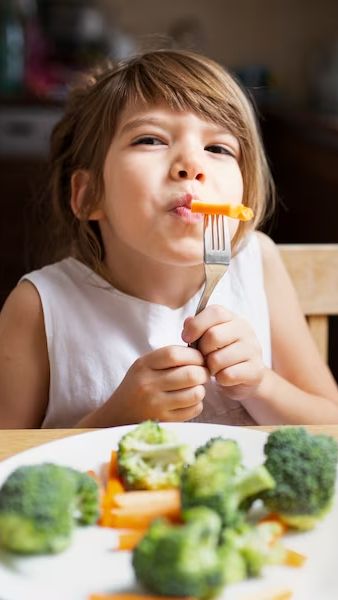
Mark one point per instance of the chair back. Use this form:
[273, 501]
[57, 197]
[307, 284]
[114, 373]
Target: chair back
[314, 272]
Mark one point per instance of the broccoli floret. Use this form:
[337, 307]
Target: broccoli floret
[151, 457]
[222, 486]
[182, 560]
[246, 549]
[304, 467]
[222, 450]
[40, 505]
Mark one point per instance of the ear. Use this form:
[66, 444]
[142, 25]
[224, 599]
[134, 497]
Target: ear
[80, 183]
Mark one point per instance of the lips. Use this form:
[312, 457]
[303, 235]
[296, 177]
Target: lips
[181, 208]
[183, 201]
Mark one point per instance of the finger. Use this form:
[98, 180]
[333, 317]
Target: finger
[224, 358]
[185, 414]
[219, 336]
[245, 373]
[172, 356]
[180, 378]
[195, 327]
[185, 398]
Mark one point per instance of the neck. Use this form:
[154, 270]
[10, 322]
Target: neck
[153, 281]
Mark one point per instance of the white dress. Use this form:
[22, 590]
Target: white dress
[95, 333]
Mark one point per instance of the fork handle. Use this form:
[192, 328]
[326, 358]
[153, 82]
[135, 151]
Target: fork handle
[213, 275]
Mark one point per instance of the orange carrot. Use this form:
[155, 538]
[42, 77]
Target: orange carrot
[114, 486]
[275, 518]
[294, 559]
[139, 517]
[235, 211]
[113, 471]
[162, 498]
[128, 540]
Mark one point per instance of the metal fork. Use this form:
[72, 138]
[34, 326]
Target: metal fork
[217, 255]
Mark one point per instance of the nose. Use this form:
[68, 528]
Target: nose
[188, 168]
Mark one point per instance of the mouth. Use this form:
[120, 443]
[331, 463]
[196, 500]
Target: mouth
[181, 208]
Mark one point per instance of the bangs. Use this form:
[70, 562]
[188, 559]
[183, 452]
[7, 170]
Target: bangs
[183, 83]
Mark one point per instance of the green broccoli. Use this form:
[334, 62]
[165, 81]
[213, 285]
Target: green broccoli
[182, 560]
[246, 549]
[40, 505]
[222, 450]
[304, 467]
[222, 486]
[151, 457]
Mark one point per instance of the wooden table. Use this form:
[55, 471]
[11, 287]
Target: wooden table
[17, 440]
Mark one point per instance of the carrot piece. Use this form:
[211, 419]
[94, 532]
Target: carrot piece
[235, 211]
[128, 540]
[113, 471]
[114, 486]
[140, 518]
[163, 498]
[294, 559]
[275, 518]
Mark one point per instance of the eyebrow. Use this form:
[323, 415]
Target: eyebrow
[139, 121]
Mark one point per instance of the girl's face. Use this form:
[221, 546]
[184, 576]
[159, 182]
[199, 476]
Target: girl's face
[158, 162]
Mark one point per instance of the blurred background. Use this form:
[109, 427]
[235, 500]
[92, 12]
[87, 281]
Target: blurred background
[284, 52]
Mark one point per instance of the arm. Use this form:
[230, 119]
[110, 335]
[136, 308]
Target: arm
[300, 388]
[24, 365]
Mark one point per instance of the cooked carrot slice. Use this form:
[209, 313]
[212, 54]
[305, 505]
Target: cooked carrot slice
[113, 471]
[294, 559]
[128, 540]
[140, 518]
[166, 498]
[235, 211]
[275, 518]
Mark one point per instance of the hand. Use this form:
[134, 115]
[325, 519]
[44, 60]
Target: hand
[230, 347]
[166, 385]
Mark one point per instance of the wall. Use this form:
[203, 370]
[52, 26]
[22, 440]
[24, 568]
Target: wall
[283, 35]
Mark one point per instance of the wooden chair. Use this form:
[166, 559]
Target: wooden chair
[314, 271]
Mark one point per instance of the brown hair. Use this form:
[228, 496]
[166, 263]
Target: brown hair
[185, 81]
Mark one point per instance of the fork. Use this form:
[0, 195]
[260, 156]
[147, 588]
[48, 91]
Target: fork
[217, 255]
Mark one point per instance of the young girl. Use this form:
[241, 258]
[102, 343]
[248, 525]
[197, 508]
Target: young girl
[101, 337]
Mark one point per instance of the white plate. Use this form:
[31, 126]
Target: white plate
[90, 566]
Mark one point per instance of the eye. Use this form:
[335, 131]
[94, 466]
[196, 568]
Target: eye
[148, 140]
[218, 149]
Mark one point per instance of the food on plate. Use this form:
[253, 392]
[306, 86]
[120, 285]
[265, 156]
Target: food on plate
[40, 506]
[151, 457]
[235, 211]
[199, 557]
[218, 479]
[246, 549]
[304, 467]
[182, 560]
[189, 517]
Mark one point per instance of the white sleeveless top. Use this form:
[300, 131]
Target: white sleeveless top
[95, 333]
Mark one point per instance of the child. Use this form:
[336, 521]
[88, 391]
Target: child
[100, 338]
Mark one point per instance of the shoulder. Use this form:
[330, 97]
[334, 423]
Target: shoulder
[23, 303]
[24, 364]
[22, 320]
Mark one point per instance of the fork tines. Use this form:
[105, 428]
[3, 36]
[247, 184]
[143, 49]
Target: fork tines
[216, 238]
